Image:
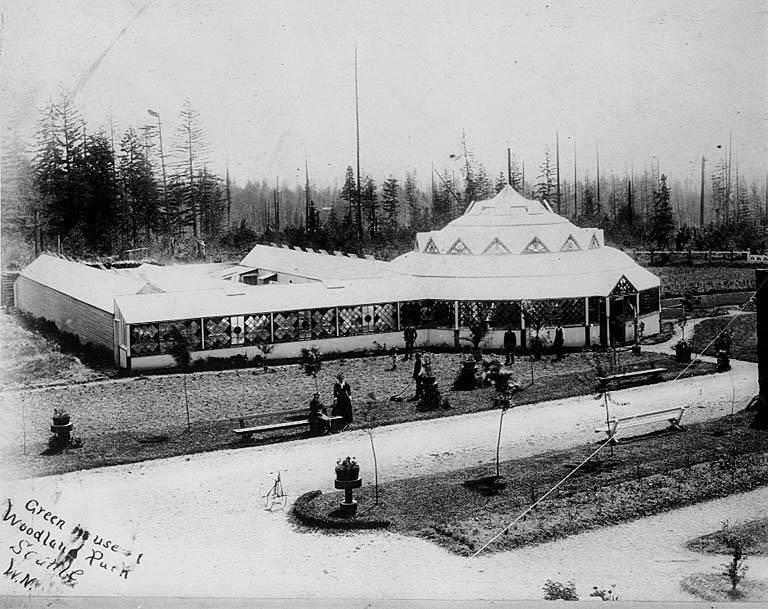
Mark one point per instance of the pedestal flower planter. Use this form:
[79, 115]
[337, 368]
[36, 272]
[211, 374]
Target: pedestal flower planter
[348, 478]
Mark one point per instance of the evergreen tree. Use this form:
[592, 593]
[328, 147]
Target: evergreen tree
[370, 201]
[349, 194]
[390, 190]
[662, 222]
[501, 182]
[189, 156]
[140, 204]
[544, 189]
[411, 197]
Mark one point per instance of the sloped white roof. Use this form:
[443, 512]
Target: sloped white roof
[311, 265]
[265, 298]
[96, 287]
[179, 277]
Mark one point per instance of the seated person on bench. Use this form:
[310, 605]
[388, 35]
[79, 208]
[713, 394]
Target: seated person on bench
[319, 421]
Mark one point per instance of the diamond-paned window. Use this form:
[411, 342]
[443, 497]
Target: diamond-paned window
[535, 246]
[144, 340]
[496, 248]
[624, 286]
[171, 333]
[459, 248]
[410, 314]
[431, 248]
[350, 320]
[472, 311]
[285, 326]
[546, 313]
[217, 332]
[649, 301]
[442, 315]
[323, 323]
[505, 314]
[570, 245]
[385, 317]
[257, 329]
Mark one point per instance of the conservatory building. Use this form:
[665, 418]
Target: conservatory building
[508, 261]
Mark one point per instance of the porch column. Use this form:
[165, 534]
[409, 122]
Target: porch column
[587, 332]
[608, 320]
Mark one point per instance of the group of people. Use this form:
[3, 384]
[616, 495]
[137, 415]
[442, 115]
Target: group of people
[320, 421]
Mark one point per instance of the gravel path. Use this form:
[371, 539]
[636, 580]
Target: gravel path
[201, 528]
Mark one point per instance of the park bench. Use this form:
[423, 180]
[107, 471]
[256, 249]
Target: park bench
[631, 376]
[292, 419]
[670, 415]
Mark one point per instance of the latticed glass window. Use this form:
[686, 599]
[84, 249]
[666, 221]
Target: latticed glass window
[624, 286]
[472, 311]
[564, 311]
[304, 323]
[385, 317]
[167, 336]
[505, 314]
[323, 323]
[257, 329]
[594, 243]
[536, 246]
[237, 331]
[367, 324]
[217, 334]
[285, 326]
[596, 309]
[350, 320]
[144, 340]
[459, 248]
[442, 314]
[190, 330]
[431, 248]
[649, 301]
[410, 314]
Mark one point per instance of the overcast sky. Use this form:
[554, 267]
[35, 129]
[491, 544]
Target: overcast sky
[273, 81]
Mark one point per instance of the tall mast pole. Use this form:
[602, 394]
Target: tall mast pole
[509, 166]
[575, 185]
[597, 160]
[557, 152]
[728, 182]
[357, 131]
[307, 219]
[522, 186]
[701, 196]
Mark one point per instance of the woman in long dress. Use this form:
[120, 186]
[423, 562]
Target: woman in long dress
[342, 401]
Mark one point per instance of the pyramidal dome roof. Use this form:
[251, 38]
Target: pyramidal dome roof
[508, 224]
[507, 208]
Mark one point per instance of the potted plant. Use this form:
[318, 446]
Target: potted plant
[60, 416]
[347, 469]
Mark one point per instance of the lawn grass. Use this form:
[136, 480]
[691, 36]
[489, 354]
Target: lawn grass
[644, 476]
[743, 330]
[753, 534]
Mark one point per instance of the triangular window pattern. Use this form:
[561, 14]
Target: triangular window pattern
[535, 247]
[594, 243]
[431, 248]
[624, 286]
[570, 245]
[459, 247]
[496, 247]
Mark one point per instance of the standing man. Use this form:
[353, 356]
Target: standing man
[418, 375]
[342, 400]
[409, 336]
[510, 342]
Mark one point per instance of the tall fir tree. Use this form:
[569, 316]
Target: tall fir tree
[662, 221]
[390, 204]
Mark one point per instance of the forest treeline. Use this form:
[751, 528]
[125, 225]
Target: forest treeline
[150, 192]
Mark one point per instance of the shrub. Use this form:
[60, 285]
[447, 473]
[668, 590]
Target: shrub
[554, 591]
[735, 568]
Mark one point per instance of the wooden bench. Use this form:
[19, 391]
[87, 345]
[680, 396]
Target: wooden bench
[670, 415]
[292, 419]
[633, 375]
